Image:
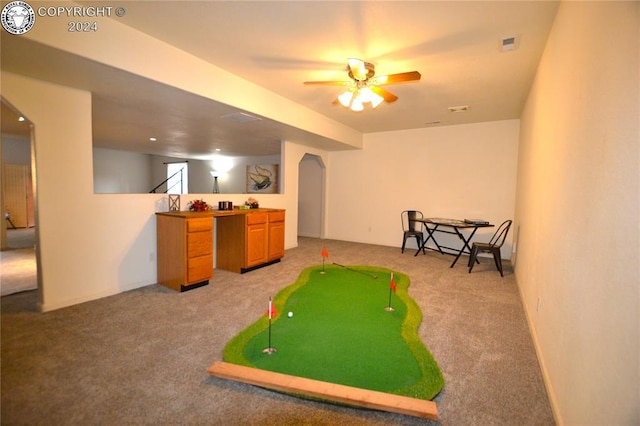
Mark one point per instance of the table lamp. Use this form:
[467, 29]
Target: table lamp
[216, 188]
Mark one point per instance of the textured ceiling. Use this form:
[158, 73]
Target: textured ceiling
[279, 45]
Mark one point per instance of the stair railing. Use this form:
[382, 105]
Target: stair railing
[155, 190]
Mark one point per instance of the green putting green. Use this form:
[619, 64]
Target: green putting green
[341, 331]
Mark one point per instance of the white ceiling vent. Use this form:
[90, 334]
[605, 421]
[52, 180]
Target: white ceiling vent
[462, 108]
[508, 44]
[241, 117]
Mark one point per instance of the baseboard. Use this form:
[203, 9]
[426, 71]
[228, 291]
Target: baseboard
[545, 375]
[46, 307]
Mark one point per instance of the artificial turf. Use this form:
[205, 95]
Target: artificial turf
[340, 332]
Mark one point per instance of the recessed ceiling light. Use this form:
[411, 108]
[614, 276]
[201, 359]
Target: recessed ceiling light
[21, 118]
[153, 139]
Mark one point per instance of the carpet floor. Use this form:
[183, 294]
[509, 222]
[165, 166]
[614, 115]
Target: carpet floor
[140, 357]
[18, 262]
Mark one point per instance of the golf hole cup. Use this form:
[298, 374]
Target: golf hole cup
[290, 314]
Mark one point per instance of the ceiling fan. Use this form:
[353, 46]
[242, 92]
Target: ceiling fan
[364, 86]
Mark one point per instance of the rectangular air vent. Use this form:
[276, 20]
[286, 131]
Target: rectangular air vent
[508, 44]
[462, 108]
[241, 117]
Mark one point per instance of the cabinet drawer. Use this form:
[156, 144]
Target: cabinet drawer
[199, 243]
[276, 217]
[256, 218]
[199, 268]
[201, 224]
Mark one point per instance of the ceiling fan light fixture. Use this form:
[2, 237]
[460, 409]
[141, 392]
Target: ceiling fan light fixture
[357, 105]
[364, 86]
[367, 95]
[345, 98]
[355, 99]
[359, 69]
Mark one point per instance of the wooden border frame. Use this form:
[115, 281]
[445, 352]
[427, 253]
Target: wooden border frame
[324, 390]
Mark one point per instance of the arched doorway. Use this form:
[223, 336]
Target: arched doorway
[311, 175]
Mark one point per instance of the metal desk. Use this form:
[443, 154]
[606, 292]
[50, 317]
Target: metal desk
[434, 224]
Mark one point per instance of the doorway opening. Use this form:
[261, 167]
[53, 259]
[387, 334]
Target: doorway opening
[311, 187]
[18, 234]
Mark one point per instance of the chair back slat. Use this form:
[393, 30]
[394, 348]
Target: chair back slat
[500, 236]
[409, 219]
[412, 219]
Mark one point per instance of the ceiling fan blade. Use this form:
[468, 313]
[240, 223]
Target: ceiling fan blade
[328, 83]
[396, 78]
[358, 69]
[388, 96]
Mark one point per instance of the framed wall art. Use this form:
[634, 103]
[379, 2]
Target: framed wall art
[262, 178]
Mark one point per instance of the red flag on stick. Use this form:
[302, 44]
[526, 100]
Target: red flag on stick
[392, 286]
[271, 311]
[325, 254]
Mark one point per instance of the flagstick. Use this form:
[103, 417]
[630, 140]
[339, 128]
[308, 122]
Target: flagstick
[325, 254]
[269, 349]
[389, 308]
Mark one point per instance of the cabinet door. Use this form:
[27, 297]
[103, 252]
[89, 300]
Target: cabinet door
[276, 240]
[256, 244]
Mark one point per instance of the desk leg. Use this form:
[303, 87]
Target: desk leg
[430, 236]
[465, 244]
[422, 247]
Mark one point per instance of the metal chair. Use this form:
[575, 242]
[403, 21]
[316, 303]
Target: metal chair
[411, 228]
[493, 247]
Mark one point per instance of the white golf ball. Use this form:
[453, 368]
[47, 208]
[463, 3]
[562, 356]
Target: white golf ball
[290, 314]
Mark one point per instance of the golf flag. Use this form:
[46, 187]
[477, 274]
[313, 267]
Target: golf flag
[271, 312]
[392, 286]
[325, 254]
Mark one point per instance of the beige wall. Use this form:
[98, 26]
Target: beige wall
[465, 171]
[577, 213]
[92, 245]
